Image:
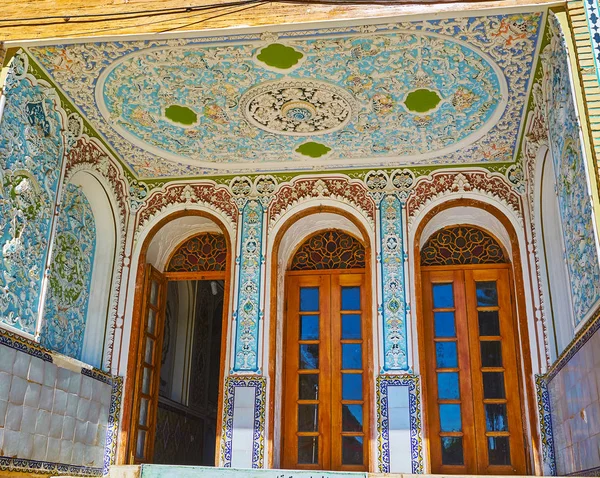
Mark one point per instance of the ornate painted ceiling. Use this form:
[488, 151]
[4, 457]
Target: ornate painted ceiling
[443, 91]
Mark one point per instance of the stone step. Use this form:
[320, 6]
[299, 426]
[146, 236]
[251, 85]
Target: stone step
[175, 471]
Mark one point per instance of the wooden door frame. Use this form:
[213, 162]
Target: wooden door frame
[367, 330]
[126, 438]
[527, 392]
[365, 240]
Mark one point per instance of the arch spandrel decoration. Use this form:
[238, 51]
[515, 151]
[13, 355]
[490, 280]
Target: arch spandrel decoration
[201, 253]
[329, 250]
[458, 245]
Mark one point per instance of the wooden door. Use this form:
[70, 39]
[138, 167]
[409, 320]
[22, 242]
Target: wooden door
[473, 397]
[326, 410]
[147, 378]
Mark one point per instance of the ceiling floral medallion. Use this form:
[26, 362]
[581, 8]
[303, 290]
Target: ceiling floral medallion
[297, 107]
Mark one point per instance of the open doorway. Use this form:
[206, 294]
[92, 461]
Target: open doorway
[189, 377]
[179, 373]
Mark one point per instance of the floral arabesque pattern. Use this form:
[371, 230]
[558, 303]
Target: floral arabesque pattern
[573, 190]
[66, 304]
[31, 151]
[378, 64]
[444, 183]
[87, 155]
[336, 188]
[248, 310]
[393, 283]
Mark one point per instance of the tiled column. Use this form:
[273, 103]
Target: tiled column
[399, 438]
[244, 413]
[247, 312]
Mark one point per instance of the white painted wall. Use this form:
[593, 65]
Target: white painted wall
[98, 312]
[558, 308]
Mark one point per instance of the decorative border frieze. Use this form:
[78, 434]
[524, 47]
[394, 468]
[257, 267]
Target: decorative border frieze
[545, 417]
[443, 183]
[112, 435]
[258, 435]
[393, 284]
[584, 334]
[383, 425]
[339, 188]
[209, 194]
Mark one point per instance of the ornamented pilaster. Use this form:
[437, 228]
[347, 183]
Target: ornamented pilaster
[253, 201]
[390, 193]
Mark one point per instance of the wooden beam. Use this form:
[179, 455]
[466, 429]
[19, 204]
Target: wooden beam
[148, 16]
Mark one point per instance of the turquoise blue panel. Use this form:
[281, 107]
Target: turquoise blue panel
[450, 419]
[448, 388]
[248, 309]
[574, 194]
[393, 305]
[31, 151]
[66, 305]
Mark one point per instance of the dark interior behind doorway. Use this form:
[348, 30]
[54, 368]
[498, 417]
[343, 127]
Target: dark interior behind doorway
[189, 379]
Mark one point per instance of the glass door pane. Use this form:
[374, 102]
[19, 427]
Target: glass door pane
[494, 370]
[307, 385]
[348, 399]
[325, 410]
[448, 380]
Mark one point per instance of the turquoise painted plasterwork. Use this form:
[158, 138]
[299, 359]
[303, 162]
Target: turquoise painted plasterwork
[31, 151]
[66, 306]
[393, 307]
[377, 64]
[248, 312]
[574, 199]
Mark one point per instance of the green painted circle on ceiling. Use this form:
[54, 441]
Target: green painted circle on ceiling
[279, 56]
[422, 100]
[181, 114]
[312, 149]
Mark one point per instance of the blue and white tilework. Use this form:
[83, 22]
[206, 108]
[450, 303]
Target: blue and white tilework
[393, 305]
[243, 424]
[573, 189]
[399, 424]
[593, 17]
[66, 304]
[248, 311]
[31, 151]
[545, 417]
